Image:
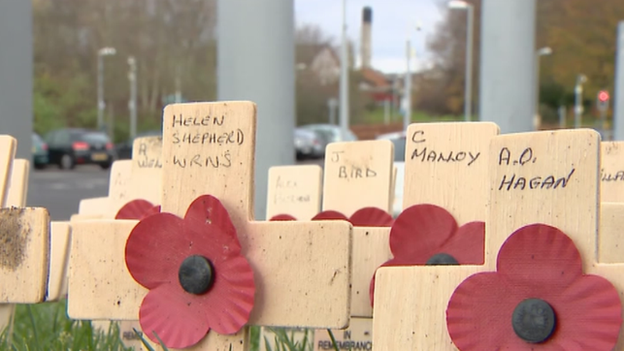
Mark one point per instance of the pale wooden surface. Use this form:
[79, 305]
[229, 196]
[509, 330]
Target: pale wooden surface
[24, 260]
[7, 153]
[283, 255]
[361, 174]
[18, 185]
[93, 243]
[294, 190]
[16, 196]
[393, 185]
[142, 180]
[81, 217]
[60, 238]
[611, 233]
[146, 173]
[458, 186]
[426, 290]
[358, 174]
[573, 209]
[119, 186]
[94, 207]
[567, 154]
[612, 171]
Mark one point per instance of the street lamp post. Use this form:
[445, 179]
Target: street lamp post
[578, 103]
[344, 73]
[133, 95]
[537, 120]
[407, 117]
[106, 51]
[462, 5]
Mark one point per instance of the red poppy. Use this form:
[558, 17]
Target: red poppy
[428, 234]
[538, 299]
[137, 209]
[196, 275]
[283, 217]
[364, 217]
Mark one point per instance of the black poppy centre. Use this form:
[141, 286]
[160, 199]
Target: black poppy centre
[441, 259]
[196, 275]
[534, 320]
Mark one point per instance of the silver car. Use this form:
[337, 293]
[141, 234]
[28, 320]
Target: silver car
[308, 144]
[330, 133]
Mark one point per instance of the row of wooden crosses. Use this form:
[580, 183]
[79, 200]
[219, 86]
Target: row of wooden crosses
[506, 242]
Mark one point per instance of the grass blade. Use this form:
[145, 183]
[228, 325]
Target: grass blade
[333, 340]
[140, 335]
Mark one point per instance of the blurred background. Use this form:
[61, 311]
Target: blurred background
[321, 71]
[174, 45]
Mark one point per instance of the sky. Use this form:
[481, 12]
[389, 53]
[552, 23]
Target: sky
[393, 21]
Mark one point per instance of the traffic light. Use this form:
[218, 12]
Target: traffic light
[603, 100]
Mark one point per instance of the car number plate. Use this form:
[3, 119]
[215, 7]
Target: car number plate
[99, 157]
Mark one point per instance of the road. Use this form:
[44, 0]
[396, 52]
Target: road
[61, 191]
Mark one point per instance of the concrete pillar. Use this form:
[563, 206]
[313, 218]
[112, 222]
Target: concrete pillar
[618, 94]
[16, 73]
[507, 64]
[255, 62]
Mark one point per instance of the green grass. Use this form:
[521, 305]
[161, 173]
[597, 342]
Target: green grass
[45, 327]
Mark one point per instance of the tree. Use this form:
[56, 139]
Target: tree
[172, 41]
[581, 33]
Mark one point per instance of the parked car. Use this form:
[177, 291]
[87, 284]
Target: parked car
[71, 146]
[124, 149]
[39, 152]
[398, 139]
[330, 133]
[308, 144]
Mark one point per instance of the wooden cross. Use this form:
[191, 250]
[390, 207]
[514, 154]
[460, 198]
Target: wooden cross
[610, 249]
[208, 148]
[294, 190]
[138, 178]
[612, 171]
[15, 197]
[59, 242]
[119, 186]
[24, 240]
[146, 169]
[357, 175]
[444, 166]
[541, 177]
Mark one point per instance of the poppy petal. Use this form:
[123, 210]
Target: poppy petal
[152, 246]
[135, 209]
[420, 231]
[467, 246]
[589, 315]
[539, 254]
[371, 217]
[478, 315]
[330, 215]
[283, 217]
[208, 210]
[178, 324]
[151, 211]
[228, 304]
